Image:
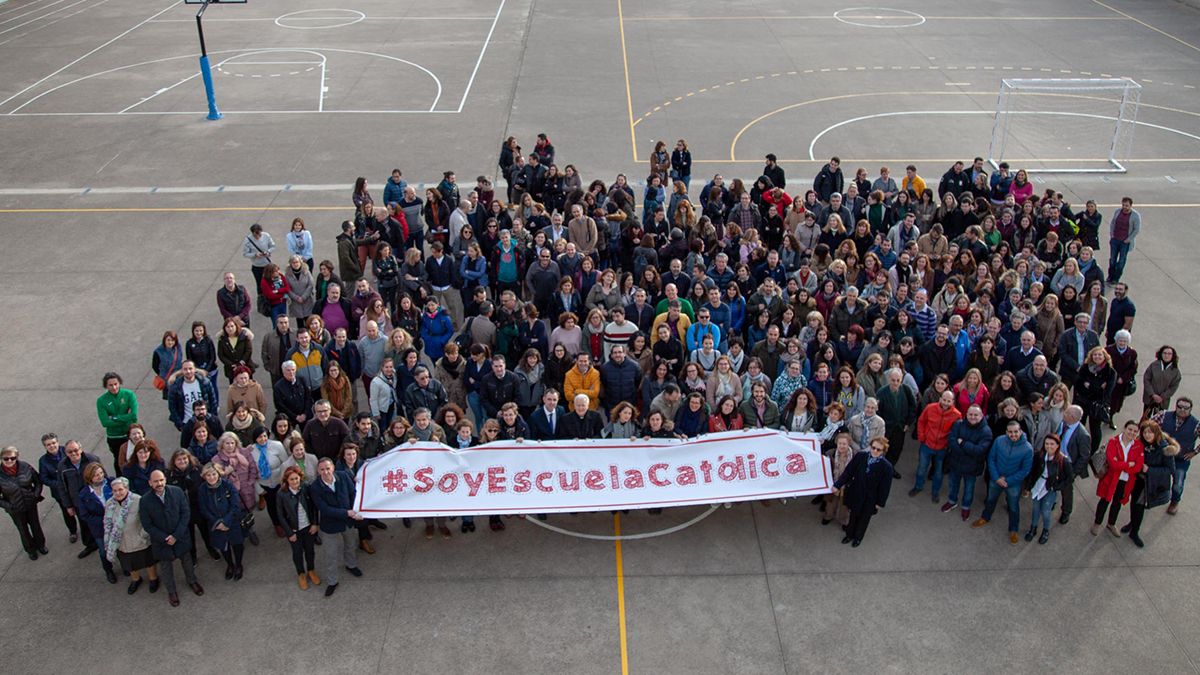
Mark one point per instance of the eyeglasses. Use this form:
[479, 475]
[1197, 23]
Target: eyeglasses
[1183, 407]
[11, 458]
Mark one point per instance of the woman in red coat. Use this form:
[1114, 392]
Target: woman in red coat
[1124, 458]
[726, 417]
[274, 288]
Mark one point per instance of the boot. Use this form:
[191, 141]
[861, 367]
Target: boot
[1030, 534]
[1045, 536]
[1173, 508]
[365, 545]
[262, 502]
[303, 581]
[313, 578]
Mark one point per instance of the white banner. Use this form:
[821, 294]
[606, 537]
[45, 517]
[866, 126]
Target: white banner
[507, 477]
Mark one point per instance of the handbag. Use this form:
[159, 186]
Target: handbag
[247, 521]
[1099, 463]
[1131, 386]
[161, 384]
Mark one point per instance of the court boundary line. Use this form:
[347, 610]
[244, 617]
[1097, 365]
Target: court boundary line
[139, 24]
[436, 100]
[622, 624]
[474, 71]
[628, 89]
[1143, 23]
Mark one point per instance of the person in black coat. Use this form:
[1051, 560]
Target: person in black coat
[300, 520]
[581, 422]
[864, 487]
[20, 492]
[166, 516]
[183, 472]
[291, 396]
[70, 482]
[92, 500]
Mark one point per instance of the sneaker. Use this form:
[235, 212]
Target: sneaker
[979, 523]
[966, 515]
[1095, 529]
[1112, 529]
[946, 508]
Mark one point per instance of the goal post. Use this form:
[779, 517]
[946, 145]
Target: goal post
[1073, 125]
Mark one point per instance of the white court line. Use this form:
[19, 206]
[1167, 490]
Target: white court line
[160, 91]
[478, 61]
[369, 18]
[162, 11]
[31, 11]
[51, 23]
[48, 14]
[321, 90]
[222, 51]
[234, 112]
[21, 7]
[812, 145]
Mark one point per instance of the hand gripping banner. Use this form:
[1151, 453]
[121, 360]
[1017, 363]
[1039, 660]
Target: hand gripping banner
[510, 477]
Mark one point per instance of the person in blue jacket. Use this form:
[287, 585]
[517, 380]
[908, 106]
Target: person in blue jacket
[1009, 462]
[222, 510]
[95, 494]
[436, 328]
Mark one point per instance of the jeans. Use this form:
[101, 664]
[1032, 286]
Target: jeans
[304, 551]
[278, 311]
[1043, 511]
[476, 405]
[1178, 479]
[1012, 495]
[968, 489]
[1118, 253]
[929, 455]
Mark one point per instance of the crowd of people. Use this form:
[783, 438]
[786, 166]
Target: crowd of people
[972, 317]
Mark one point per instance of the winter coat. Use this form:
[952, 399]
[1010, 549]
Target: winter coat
[301, 292]
[969, 445]
[933, 426]
[1059, 473]
[436, 332]
[244, 479]
[221, 504]
[1118, 462]
[288, 505]
[22, 492]
[867, 484]
[1010, 459]
[1160, 380]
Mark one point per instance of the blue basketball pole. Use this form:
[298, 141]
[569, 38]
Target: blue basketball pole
[205, 68]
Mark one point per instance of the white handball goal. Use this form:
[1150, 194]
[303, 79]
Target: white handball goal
[1065, 125]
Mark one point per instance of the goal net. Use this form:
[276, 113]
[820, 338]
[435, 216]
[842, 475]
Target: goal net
[1065, 125]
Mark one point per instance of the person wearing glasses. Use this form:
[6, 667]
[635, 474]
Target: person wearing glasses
[864, 488]
[20, 492]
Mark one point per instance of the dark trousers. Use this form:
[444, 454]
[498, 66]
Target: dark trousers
[258, 275]
[1113, 512]
[895, 439]
[30, 528]
[114, 446]
[859, 520]
[269, 494]
[304, 552]
[1067, 497]
[1136, 510]
[86, 535]
[71, 521]
[198, 525]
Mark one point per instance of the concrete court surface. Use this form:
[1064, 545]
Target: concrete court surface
[94, 276]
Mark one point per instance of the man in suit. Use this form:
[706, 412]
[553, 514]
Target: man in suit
[70, 483]
[544, 422]
[1076, 444]
[864, 486]
[333, 493]
[165, 515]
[1073, 347]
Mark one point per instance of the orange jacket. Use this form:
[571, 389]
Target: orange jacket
[933, 426]
[576, 382]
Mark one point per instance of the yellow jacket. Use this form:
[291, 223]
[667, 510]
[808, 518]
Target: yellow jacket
[575, 383]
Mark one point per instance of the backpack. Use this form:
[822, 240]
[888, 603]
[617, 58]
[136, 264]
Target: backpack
[463, 339]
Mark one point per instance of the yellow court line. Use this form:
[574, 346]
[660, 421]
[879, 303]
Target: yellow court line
[621, 596]
[931, 160]
[628, 91]
[1156, 30]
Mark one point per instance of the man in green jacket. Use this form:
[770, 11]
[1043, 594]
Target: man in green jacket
[117, 408]
[898, 408]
